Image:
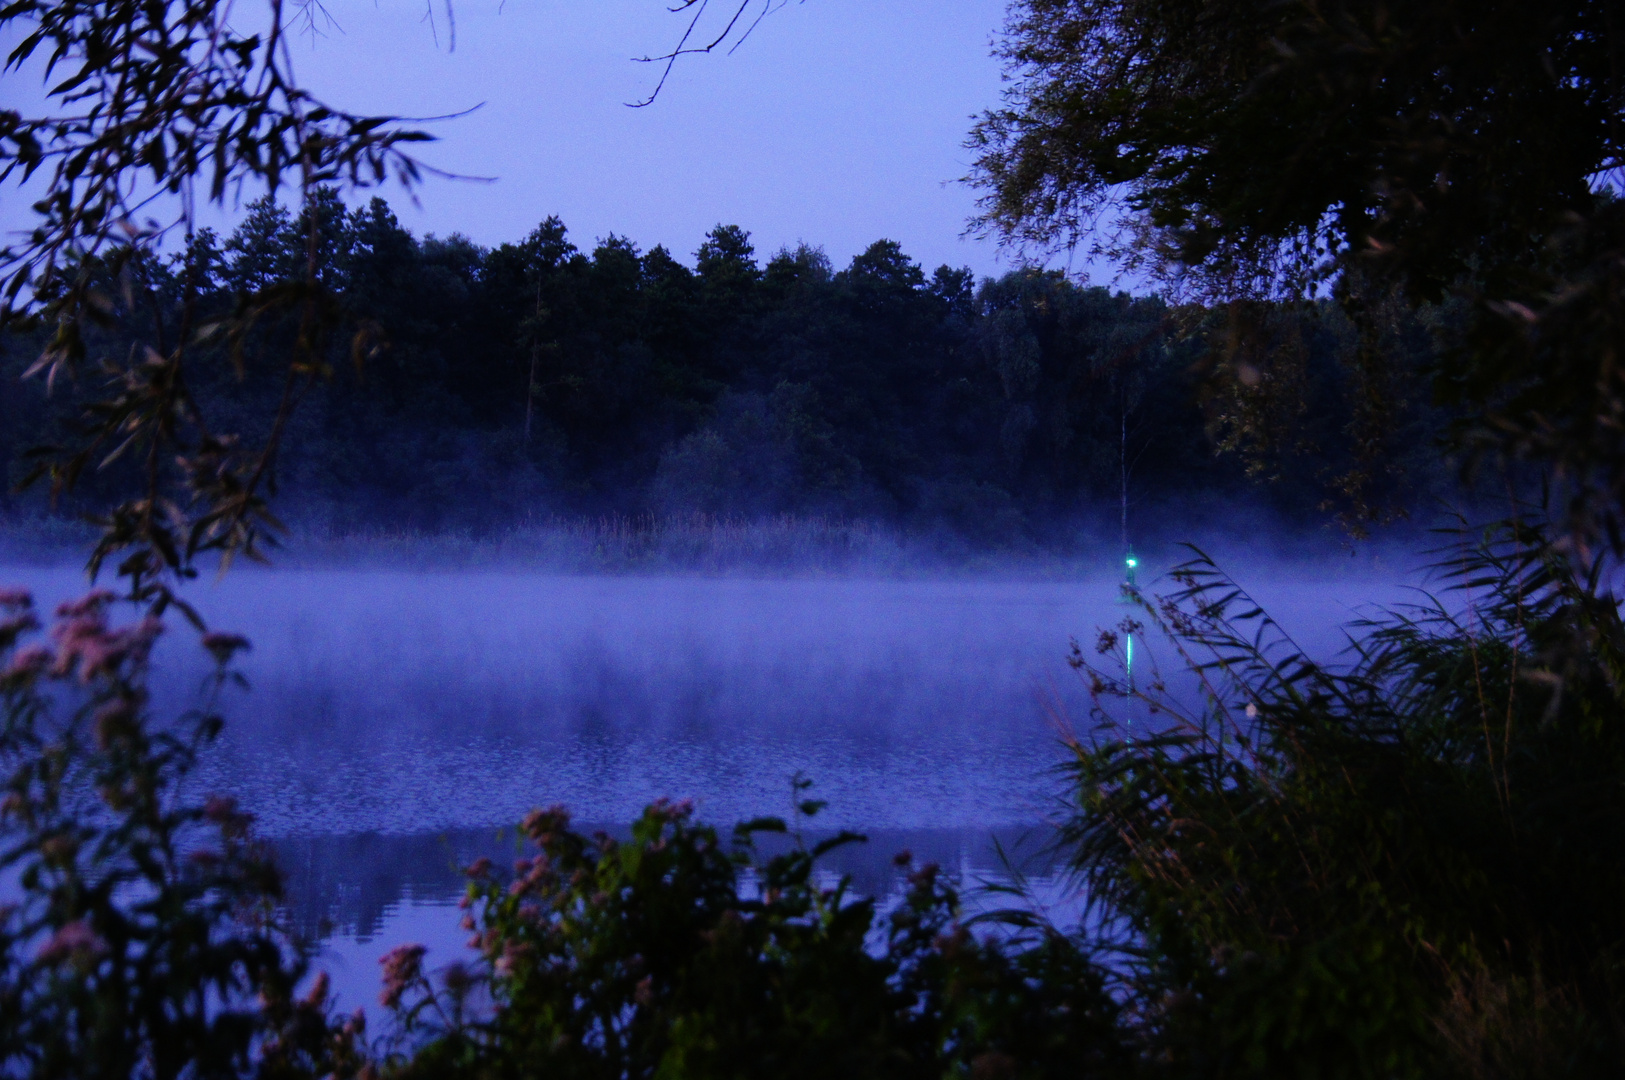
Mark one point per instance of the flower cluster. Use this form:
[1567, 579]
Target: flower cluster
[403, 968]
[75, 942]
[127, 936]
[85, 643]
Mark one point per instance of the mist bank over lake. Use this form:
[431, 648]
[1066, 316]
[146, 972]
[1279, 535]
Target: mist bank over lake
[1238, 536]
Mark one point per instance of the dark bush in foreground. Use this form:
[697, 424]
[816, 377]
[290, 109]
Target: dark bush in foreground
[676, 954]
[141, 937]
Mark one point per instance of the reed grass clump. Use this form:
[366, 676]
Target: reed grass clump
[1406, 864]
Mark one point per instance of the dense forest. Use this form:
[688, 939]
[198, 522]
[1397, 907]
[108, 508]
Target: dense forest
[998, 410]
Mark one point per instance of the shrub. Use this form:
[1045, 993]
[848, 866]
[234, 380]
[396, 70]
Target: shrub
[142, 938]
[676, 954]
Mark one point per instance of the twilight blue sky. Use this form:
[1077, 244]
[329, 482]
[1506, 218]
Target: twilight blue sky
[838, 122]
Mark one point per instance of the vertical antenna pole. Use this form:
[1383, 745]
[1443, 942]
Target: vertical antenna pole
[1129, 561]
[535, 345]
[1123, 466]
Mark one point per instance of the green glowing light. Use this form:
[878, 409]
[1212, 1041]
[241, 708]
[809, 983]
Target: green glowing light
[1133, 562]
[1129, 666]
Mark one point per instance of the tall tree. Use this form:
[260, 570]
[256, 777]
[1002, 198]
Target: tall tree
[1269, 143]
[170, 99]
[1255, 148]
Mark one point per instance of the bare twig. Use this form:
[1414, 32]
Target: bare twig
[683, 48]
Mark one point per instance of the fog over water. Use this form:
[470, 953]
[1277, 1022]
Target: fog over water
[398, 719]
[404, 702]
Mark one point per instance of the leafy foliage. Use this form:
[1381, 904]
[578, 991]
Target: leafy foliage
[674, 954]
[1255, 138]
[140, 937]
[165, 95]
[152, 100]
[1446, 152]
[1407, 865]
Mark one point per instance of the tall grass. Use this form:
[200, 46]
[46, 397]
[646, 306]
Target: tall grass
[1409, 863]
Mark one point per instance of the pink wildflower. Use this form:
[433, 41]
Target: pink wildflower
[403, 966]
[669, 810]
[90, 604]
[75, 940]
[28, 662]
[542, 825]
[83, 639]
[222, 810]
[318, 992]
[513, 955]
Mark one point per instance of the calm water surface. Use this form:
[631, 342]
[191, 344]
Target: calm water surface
[398, 720]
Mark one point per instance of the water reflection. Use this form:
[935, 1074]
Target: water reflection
[362, 894]
[354, 885]
[401, 702]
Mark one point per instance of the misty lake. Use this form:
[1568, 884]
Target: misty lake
[397, 720]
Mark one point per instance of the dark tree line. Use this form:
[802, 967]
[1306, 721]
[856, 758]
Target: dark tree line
[473, 386]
